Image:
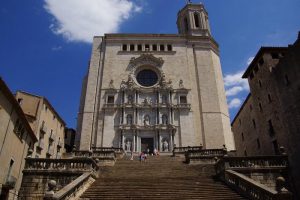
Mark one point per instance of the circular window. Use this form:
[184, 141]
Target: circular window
[147, 78]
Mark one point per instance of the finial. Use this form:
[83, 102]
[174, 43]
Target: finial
[188, 1]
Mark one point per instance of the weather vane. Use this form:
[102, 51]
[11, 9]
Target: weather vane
[188, 1]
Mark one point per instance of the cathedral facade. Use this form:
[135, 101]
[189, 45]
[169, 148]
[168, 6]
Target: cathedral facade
[156, 91]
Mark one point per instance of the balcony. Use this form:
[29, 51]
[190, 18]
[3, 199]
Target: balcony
[43, 128]
[40, 144]
[10, 182]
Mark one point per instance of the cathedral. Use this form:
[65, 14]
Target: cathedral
[156, 91]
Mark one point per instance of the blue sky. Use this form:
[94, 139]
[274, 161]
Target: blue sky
[45, 44]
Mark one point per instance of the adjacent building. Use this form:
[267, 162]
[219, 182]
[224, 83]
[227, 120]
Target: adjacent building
[16, 139]
[156, 90]
[270, 116]
[46, 123]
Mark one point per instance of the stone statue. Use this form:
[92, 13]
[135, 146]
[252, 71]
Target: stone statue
[130, 98]
[123, 84]
[147, 120]
[165, 146]
[181, 84]
[128, 145]
[111, 84]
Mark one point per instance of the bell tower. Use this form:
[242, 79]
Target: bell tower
[193, 20]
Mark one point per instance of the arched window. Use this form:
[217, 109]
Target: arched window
[196, 18]
[186, 24]
[129, 119]
[164, 119]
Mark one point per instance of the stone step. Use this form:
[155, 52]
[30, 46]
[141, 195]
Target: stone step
[160, 177]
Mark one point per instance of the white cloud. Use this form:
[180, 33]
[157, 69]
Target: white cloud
[235, 79]
[80, 20]
[234, 91]
[250, 60]
[234, 103]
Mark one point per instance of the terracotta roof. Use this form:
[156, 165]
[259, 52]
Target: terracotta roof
[11, 98]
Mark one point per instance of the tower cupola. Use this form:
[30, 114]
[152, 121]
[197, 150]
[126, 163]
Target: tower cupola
[193, 20]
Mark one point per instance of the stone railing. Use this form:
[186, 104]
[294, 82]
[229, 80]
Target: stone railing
[75, 164]
[204, 156]
[254, 163]
[180, 151]
[71, 191]
[254, 190]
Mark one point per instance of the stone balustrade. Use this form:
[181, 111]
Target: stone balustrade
[75, 164]
[252, 189]
[204, 156]
[180, 151]
[257, 163]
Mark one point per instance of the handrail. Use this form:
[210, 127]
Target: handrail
[72, 187]
[253, 189]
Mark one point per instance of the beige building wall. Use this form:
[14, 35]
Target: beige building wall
[46, 123]
[16, 137]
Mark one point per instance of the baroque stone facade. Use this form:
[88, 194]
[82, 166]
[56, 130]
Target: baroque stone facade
[270, 116]
[147, 91]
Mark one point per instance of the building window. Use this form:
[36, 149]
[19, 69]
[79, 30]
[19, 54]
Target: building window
[240, 122]
[256, 68]
[129, 119]
[147, 78]
[20, 100]
[287, 81]
[275, 55]
[147, 47]
[164, 99]
[245, 153]
[110, 99]
[196, 18]
[243, 138]
[162, 47]
[169, 47]
[250, 106]
[182, 99]
[258, 143]
[139, 47]
[259, 82]
[46, 108]
[124, 47]
[269, 98]
[260, 107]
[261, 61]
[271, 128]
[254, 124]
[54, 117]
[165, 119]
[275, 147]
[154, 47]
[132, 47]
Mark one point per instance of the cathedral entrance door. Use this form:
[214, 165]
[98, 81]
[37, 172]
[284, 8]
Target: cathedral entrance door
[147, 143]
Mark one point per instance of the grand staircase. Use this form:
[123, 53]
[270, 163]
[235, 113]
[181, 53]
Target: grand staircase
[160, 177]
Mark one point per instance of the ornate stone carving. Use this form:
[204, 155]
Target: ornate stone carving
[181, 86]
[111, 84]
[146, 59]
